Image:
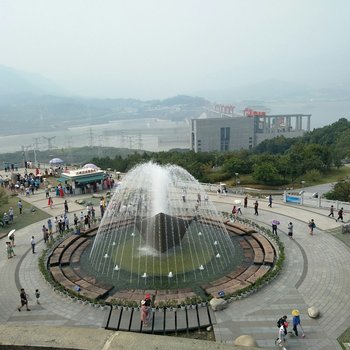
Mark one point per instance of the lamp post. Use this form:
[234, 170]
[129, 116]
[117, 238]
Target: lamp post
[236, 181]
[302, 191]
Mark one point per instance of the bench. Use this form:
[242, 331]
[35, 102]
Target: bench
[269, 250]
[258, 252]
[75, 258]
[247, 273]
[55, 257]
[228, 287]
[69, 250]
[72, 280]
[246, 229]
[261, 272]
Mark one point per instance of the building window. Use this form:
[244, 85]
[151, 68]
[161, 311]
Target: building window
[224, 139]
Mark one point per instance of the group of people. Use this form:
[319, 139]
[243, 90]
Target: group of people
[24, 298]
[283, 325]
[340, 213]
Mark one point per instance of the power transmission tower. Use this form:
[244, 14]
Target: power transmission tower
[49, 141]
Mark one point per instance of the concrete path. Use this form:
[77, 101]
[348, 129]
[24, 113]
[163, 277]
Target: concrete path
[316, 273]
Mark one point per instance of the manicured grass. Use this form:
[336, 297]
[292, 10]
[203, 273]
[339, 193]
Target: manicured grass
[28, 216]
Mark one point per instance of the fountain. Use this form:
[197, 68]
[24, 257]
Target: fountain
[154, 224]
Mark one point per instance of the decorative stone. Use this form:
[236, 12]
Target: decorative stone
[313, 312]
[245, 340]
[218, 304]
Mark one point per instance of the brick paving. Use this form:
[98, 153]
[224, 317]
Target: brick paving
[316, 273]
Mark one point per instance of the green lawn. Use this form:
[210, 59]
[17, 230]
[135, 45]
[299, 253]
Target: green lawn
[28, 216]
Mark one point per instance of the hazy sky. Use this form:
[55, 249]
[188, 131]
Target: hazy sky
[159, 48]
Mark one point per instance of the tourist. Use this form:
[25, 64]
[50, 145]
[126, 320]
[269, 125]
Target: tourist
[256, 206]
[32, 243]
[234, 211]
[340, 215]
[145, 314]
[20, 206]
[102, 207]
[24, 299]
[296, 323]
[47, 192]
[270, 201]
[49, 226]
[274, 228]
[290, 230]
[66, 222]
[37, 296]
[55, 221]
[5, 219]
[12, 239]
[9, 250]
[331, 211]
[75, 219]
[312, 226]
[50, 202]
[246, 202]
[65, 206]
[11, 215]
[281, 322]
[281, 340]
[45, 232]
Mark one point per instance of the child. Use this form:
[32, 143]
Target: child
[37, 296]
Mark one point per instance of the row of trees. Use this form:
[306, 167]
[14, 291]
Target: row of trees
[271, 169]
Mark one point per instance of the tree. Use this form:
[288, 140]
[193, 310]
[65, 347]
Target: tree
[340, 191]
[266, 173]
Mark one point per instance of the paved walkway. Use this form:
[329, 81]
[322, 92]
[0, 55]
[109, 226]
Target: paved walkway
[316, 272]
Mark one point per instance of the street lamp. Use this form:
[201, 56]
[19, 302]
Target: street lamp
[236, 180]
[302, 191]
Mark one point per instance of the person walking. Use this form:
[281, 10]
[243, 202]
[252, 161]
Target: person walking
[24, 300]
[37, 296]
[312, 226]
[290, 230]
[256, 206]
[270, 201]
[331, 211]
[281, 340]
[296, 323]
[340, 215]
[145, 314]
[32, 243]
[65, 206]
